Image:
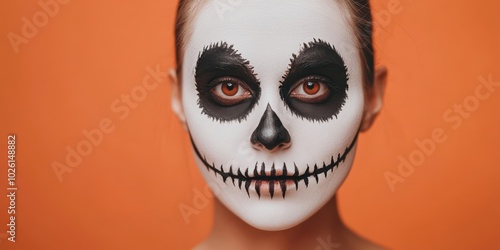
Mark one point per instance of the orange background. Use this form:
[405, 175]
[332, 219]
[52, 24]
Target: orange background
[126, 193]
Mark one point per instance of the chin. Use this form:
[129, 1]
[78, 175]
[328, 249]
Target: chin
[278, 212]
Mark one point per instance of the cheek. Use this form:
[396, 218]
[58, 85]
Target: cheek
[222, 142]
[322, 138]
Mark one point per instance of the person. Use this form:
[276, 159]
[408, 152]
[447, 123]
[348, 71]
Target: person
[273, 95]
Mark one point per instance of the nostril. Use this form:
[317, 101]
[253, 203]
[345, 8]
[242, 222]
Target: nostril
[285, 145]
[270, 134]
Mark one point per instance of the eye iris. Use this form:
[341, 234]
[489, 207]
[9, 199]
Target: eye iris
[311, 88]
[229, 88]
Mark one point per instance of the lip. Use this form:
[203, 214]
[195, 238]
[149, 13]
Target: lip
[274, 180]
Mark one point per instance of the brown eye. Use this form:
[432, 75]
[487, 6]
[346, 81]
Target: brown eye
[311, 90]
[230, 91]
[311, 87]
[229, 88]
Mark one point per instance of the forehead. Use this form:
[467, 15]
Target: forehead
[267, 32]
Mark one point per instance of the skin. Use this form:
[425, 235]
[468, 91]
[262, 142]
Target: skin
[241, 219]
[324, 230]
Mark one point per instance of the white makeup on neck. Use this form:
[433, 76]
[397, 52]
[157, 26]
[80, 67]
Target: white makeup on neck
[273, 100]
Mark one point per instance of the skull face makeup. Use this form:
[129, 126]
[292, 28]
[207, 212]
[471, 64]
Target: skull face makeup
[273, 98]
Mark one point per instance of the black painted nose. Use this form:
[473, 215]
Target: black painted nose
[270, 134]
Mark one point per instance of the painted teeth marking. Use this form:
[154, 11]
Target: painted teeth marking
[296, 171]
[257, 187]
[205, 160]
[284, 169]
[324, 167]
[296, 184]
[255, 173]
[240, 178]
[215, 172]
[231, 173]
[271, 188]
[224, 176]
[263, 170]
[273, 171]
[283, 187]
[306, 181]
[316, 172]
[247, 185]
[246, 173]
[332, 165]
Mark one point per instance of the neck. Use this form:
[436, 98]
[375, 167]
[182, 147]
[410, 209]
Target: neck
[324, 230]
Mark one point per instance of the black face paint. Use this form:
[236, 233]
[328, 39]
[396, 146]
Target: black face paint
[289, 172]
[215, 64]
[317, 61]
[270, 133]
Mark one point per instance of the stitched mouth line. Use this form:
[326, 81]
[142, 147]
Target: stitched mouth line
[272, 178]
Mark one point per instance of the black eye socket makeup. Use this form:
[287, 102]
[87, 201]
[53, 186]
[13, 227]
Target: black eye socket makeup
[321, 73]
[227, 87]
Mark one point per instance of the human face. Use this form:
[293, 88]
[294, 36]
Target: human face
[273, 100]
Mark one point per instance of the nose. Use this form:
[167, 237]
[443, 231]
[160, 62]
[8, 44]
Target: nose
[270, 134]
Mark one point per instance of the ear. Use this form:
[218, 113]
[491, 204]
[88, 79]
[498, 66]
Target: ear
[374, 98]
[177, 97]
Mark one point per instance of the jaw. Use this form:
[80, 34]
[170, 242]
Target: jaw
[278, 213]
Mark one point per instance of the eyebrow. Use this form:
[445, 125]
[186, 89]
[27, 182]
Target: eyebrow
[220, 59]
[316, 58]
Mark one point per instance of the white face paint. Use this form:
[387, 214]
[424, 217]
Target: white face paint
[282, 128]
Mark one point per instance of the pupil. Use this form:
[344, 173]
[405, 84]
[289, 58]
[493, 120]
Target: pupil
[310, 85]
[230, 86]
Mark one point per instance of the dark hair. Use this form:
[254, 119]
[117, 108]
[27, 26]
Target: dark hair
[361, 19]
